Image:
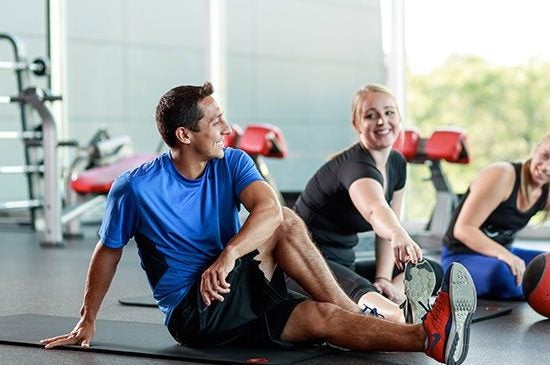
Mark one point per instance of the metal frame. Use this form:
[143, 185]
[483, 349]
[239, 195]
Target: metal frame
[53, 235]
[23, 82]
[430, 236]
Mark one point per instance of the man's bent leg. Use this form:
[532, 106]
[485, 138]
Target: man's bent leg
[300, 259]
[443, 334]
[312, 320]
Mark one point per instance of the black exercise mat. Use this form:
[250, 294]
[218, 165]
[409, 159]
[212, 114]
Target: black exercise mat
[486, 309]
[146, 301]
[141, 339]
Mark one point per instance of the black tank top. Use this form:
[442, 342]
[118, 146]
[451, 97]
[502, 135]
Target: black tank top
[504, 222]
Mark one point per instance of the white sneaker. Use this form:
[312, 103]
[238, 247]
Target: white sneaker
[419, 284]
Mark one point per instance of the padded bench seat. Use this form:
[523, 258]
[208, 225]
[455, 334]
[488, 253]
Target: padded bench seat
[98, 180]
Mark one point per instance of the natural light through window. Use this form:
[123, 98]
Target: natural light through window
[502, 32]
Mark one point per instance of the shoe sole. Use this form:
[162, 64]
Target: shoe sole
[419, 284]
[463, 298]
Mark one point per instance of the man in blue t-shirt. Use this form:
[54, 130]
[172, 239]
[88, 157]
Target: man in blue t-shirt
[219, 283]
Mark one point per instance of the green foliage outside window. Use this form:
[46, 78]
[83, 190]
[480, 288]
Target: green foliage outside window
[504, 111]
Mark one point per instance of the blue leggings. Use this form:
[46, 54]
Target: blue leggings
[492, 277]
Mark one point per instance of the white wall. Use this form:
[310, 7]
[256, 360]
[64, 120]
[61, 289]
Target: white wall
[297, 64]
[294, 63]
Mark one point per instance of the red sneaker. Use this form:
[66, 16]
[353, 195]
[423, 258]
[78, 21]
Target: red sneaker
[447, 325]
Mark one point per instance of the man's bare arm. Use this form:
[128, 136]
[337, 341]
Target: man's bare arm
[265, 216]
[101, 271]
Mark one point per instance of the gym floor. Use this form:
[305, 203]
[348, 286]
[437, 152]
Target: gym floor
[50, 281]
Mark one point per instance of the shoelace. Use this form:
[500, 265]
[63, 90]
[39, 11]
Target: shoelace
[427, 307]
[371, 311]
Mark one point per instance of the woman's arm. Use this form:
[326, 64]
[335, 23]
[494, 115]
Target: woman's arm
[368, 197]
[489, 189]
[385, 260]
[384, 254]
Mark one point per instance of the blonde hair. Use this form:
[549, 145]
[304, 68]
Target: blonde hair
[362, 93]
[356, 104]
[526, 165]
[546, 138]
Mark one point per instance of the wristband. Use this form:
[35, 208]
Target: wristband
[380, 278]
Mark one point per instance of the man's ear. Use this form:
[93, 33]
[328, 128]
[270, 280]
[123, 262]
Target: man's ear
[183, 135]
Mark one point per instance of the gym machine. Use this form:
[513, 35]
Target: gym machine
[444, 144]
[259, 141]
[91, 173]
[29, 133]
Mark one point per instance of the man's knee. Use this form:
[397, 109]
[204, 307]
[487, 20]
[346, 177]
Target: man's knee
[290, 215]
[324, 311]
[292, 223]
[289, 227]
[311, 320]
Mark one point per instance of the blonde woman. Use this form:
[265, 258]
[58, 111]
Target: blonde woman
[359, 190]
[500, 202]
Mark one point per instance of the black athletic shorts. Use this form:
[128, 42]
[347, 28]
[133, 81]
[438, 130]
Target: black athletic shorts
[356, 280]
[254, 312]
[353, 284]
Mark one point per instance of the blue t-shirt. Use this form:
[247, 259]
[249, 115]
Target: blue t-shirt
[187, 223]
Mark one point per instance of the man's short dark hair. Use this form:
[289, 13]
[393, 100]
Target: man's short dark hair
[179, 107]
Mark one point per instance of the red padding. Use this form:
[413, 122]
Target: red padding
[98, 180]
[232, 139]
[263, 139]
[447, 145]
[407, 143]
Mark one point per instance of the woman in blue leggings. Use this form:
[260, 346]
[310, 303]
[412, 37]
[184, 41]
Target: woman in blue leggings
[500, 202]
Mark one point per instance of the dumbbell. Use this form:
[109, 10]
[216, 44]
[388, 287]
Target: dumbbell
[40, 66]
